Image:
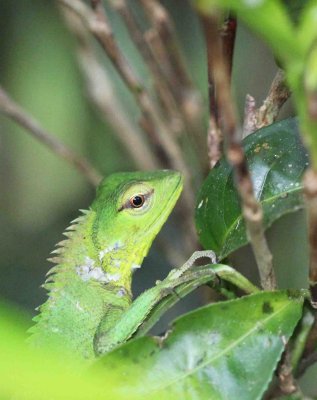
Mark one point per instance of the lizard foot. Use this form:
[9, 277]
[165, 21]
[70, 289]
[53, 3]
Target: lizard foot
[176, 273]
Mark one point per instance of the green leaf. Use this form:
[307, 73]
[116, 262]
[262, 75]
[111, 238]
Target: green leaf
[277, 160]
[307, 30]
[226, 350]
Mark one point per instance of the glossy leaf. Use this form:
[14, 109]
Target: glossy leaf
[277, 160]
[226, 350]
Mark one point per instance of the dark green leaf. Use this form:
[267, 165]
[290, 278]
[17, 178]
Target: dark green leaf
[277, 160]
[226, 350]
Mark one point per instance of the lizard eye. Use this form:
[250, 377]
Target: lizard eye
[137, 201]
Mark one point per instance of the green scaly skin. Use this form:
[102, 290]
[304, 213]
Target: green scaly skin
[90, 287]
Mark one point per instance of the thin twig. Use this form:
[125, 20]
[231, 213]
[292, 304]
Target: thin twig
[277, 96]
[161, 85]
[214, 136]
[287, 383]
[252, 210]
[175, 68]
[163, 42]
[249, 123]
[12, 110]
[103, 96]
[214, 142]
[269, 111]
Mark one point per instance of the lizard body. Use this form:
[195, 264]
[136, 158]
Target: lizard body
[90, 287]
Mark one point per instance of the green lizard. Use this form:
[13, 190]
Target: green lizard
[90, 287]
[89, 309]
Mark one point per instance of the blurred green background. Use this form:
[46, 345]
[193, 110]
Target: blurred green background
[40, 194]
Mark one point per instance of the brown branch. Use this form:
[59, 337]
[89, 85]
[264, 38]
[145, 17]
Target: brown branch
[163, 42]
[228, 36]
[12, 110]
[103, 97]
[249, 123]
[277, 96]
[287, 383]
[269, 111]
[252, 210]
[214, 142]
[162, 24]
[214, 136]
[228, 33]
[162, 87]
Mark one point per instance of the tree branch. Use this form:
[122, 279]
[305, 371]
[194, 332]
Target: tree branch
[162, 87]
[12, 110]
[173, 62]
[269, 111]
[162, 42]
[252, 210]
[227, 33]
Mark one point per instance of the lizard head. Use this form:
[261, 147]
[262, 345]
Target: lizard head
[131, 208]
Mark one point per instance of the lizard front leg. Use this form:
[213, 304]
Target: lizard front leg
[168, 291]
